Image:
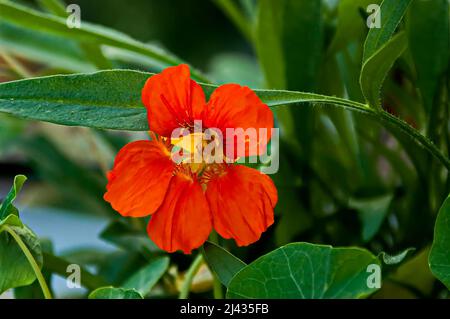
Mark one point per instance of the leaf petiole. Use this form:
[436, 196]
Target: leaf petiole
[31, 260]
[192, 271]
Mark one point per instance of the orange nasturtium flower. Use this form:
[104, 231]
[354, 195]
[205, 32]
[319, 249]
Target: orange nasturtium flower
[187, 200]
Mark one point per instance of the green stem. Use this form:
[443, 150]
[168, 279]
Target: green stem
[217, 286]
[192, 271]
[31, 260]
[16, 66]
[217, 289]
[417, 136]
[59, 266]
[388, 118]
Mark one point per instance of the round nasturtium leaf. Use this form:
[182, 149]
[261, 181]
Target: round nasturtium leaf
[307, 271]
[115, 293]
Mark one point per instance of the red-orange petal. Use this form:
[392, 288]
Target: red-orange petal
[235, 106]
[172, 100]
[241, 200]
[183, 222]
[139, 179]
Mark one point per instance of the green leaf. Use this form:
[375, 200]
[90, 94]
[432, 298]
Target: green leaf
[55, 51]
[144, 280]
[302, 61]
[392, 12]
[380, 51]
[120, 265]
[11, 220]
[114, 293]
[397, 258]
[375, 68]
[268, 42]
[23, 16]
[34, 291]
[94, 53]
[6, 206]
[282, 30]
[109, 99]
[91, 51]
[350, 24]
[222, 262]
[281, 34]
[302, 270]
[128, 237]
[372, 212]
[54, 6]
[87, 256]
[15, 270]
[439, 258]
[428, 33]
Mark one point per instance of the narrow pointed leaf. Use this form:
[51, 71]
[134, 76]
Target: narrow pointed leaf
[222, 262]
[376, 68]
[144, 279]
[6, 205]
[392, 12]
[372, 212]
[52, 50]
[26, 17]
[110, 99]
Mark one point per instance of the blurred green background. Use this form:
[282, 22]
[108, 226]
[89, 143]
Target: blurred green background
[344, 179]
